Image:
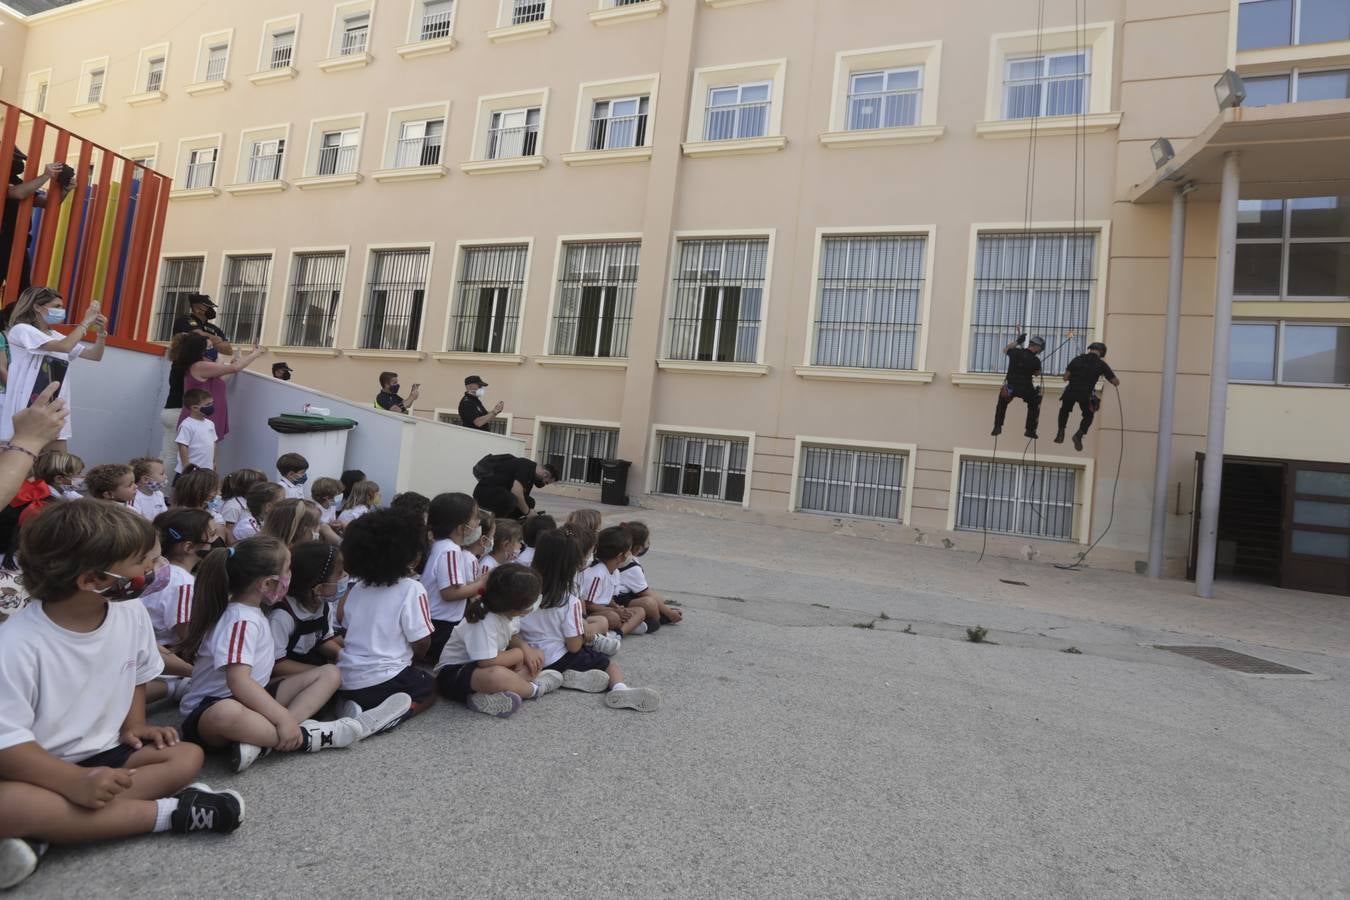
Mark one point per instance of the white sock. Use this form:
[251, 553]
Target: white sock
[641, 629]
[164, 810]
[618, 686]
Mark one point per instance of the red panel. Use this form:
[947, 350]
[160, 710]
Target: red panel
[51, 212]
[152, 257]
[131, 312]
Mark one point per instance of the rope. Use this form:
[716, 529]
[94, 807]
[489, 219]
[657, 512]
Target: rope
[988, 474]
[1115, 486]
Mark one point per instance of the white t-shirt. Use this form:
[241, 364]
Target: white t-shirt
[327, 514]
[200, 439]
[149, 505]
[241, 636]
[472, 641]
[487, 564]
[382, 623]
[70, 692]
[548, 629]
[233, 510]
[631, 579]
[171, 605]
[526, 557]
[598, 584]
[246, 527]
[351, 515]
[284, 625]
[293, 491]
[31, 370]
[448, 565]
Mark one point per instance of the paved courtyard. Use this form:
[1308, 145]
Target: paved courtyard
[809, 746]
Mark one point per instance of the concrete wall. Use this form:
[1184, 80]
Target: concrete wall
[115, 406]
[1271, 422]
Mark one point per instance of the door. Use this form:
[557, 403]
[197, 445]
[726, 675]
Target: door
[1317, 534]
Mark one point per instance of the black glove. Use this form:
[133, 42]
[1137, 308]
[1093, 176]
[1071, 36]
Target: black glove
[1021, 339]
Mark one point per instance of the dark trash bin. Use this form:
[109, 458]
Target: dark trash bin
[614, 482]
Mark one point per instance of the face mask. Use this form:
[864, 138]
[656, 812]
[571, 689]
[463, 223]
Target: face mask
[487, 548]
[393, 388]
[336, 502]
[54, 315]
[77, 484]
[158, 486]
[301, 480]
[643, 552]
[215, 505]
[326, 593]
[209, 410]
[278, 593]
[284, 376]
[211, 354]
[209, 315]
[472, 537]
[125, 588]
[480, 393]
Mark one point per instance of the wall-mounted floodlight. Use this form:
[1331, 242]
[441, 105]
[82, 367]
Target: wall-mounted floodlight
[1162, 152]
[1229, 90]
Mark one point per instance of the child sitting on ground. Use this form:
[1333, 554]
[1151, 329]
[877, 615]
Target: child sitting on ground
[78, 761]
[487, 666]
[483, 546]
[149, 474]
[327, 492]
[505, 545]
[529, 534]
[295, 522]
[560, 630]
[598, 582]
[385, 614]
[294, 471]
[196, 440]
[62, 473]
[234, 492]
[233, 701]
[111, 481]
[588, 519]
[301, 626]
[632, 589]
[182, 533]
[349, 478]
[200, 489]
[361, 499]
[260, 500]
[450, 575]
[418, 506]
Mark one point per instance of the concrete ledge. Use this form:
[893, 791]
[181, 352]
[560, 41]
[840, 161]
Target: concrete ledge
[607, 157]
[1049, 126]
[194, 193]
[274, 76]
[330, 352]
[741, 147]
[694, 367]
[345, 63]
[501, 166]
[883, 137]
[147, 98]
[256, 187]
[86, 109]
[616, 15]
[202, 88]
[976, 379]
[582, 362]
[874, 376]
[521, 32]
[322, 182]
[411, 173]
[500, 359]
[420, 49]
[385, 354]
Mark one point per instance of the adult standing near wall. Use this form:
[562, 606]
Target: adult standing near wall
[40, 356]
[505, 482]
[18, 191]
[200, 371]
[472, 412]
[389, 398]
[197, 320]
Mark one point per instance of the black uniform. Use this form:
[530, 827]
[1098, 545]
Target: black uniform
[471, 409]
[1083, 373]
[9, 225]
[189, 322]
[493, 491]
[1023, 367]
[389, 400]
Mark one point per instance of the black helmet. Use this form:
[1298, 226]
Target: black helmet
[1098, 346]
[1037, 341]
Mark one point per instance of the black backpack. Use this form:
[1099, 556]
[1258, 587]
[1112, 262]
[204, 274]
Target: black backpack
[492, 466]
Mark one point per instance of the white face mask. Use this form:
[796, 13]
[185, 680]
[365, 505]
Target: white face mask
[480, 393]
[472, 537]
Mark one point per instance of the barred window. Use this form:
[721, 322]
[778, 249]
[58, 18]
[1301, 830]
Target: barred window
[871, 291]
[719, 299]
[704, 467]
[489, 295]
[283, 48]
[437, 16]
[182, 276]
[523, 11]
[578, 451]
[1031, 500]
[496, 426]
[394, 299]
[1046, 282]
[595, 299]
[864, 483]
[312, 307]
[244, 295]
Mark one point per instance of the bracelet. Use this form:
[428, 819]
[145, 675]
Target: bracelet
[7, 446]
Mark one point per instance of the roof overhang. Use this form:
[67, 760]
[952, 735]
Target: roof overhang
[1286, 150]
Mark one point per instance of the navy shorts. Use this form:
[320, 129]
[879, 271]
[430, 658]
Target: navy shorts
[440, 635]
[584, 660]
[416, 683]
[116, 758]
[454, 681]
[189, 729]
[624, 599]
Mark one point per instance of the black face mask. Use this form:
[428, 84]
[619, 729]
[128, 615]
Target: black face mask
[208, 315]
[393, 388]
[16, 168]
[284, 376]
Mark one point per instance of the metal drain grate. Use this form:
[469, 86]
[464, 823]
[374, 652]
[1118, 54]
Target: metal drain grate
[1231, 659]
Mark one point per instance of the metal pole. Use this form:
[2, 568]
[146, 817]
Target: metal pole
[1157, 543]
[1218, 381]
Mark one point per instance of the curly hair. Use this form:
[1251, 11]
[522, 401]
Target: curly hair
[103, 479]
[380, 547]
[413, 503]
[71, 539]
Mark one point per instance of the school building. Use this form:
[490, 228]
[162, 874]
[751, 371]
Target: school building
[770, 250]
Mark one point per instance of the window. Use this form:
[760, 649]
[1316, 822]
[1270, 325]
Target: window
[1036, 501]
[595, 299]
[1044, 280]
[489, 296]
[867, 484]
[182, 276]
[1299, 86]
[35, 95]
[419, 144]
[1283, 23]
[578, 451]
[395, 298]
[710, 468]
[525, 11]
[94, 93]
[499, 425]
[1055, 84]
[243, 296]
[201, 168]
[355, 34]
[217, 57]
[40, 99]
[154, 74]
[1293, 248]
[619, 123]
[1290, 353]
[312, 304]
[513, 133]
[283, 49]
[265, 159]
[338, 152]
[437, 20]
[718, 300]
[890, 98]
[869, 301]
[737, 111]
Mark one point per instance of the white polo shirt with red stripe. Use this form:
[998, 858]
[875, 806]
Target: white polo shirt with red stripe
[547, 629]
[598, 584]
[382, 625]
[171, 605]
[241, 636]
[448, 565]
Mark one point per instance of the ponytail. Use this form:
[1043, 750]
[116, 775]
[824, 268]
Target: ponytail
[224, 573]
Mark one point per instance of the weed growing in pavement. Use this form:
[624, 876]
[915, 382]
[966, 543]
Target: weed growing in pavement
[976, 634]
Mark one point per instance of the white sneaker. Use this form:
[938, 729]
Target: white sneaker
[607, 644]
[640, 699]
[383, 717]
[641, 629]
[245, 755]
[347, 709]
[596, 681]
[336, 734]
[501, 704]
[18, 860]
[548, 680]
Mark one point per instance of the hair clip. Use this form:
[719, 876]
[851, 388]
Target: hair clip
[231, 551]
[173, 533]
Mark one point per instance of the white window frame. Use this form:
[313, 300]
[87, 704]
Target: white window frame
[1281, 325]
[559, 255]
[1313, 50]
[84, 103]
[537, 436]
[400, 116]
[271, 29]
[314, 147]
[186, 147]
[33, 91]
[653, 479]
[479, 162]
[508, 30]
[417, 16]
[707, 79]
[1100, 227]
[343, 12]
[140, 87]
[1285, 241]
[1096, 37]
[146, 154]
[1083, 489]
[247, 138]
[920, 373]
[292, 262]
[908, 451]
[1295, 76]
[514, 356]
[364, 287]
[1046, 63]
[205, 45]
[925, 56]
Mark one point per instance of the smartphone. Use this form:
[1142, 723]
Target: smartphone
[416, 387]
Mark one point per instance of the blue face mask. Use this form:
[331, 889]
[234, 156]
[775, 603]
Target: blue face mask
[301, 480]
[212, 354]
[209, 410]
[54, 315]
[215, 505]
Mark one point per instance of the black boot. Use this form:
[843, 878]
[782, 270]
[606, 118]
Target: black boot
[1031, 434]
[1059, 436]
[998, 429]
[1078, 441]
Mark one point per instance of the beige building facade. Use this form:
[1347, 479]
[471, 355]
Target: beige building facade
[768, 250]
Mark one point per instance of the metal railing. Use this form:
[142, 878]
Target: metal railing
[243, 296]
[337, 160]
[528, 11]
[264, 168]
[707, 468]
[436, 25]
[883, 109]
[311, 314]
[740, 120]
[215, 69]
[281, 56]
[596, 291]
[182, 278]
[394, 300]
[578, 452]
[508, 143]
[200, 175]
[488, 299]
[869, 301]
[1012, 498]
[154, 80]
[413, 152]
[617, 132]
[866, 484]
[716, 306]
[354, 42]
[96, 88]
